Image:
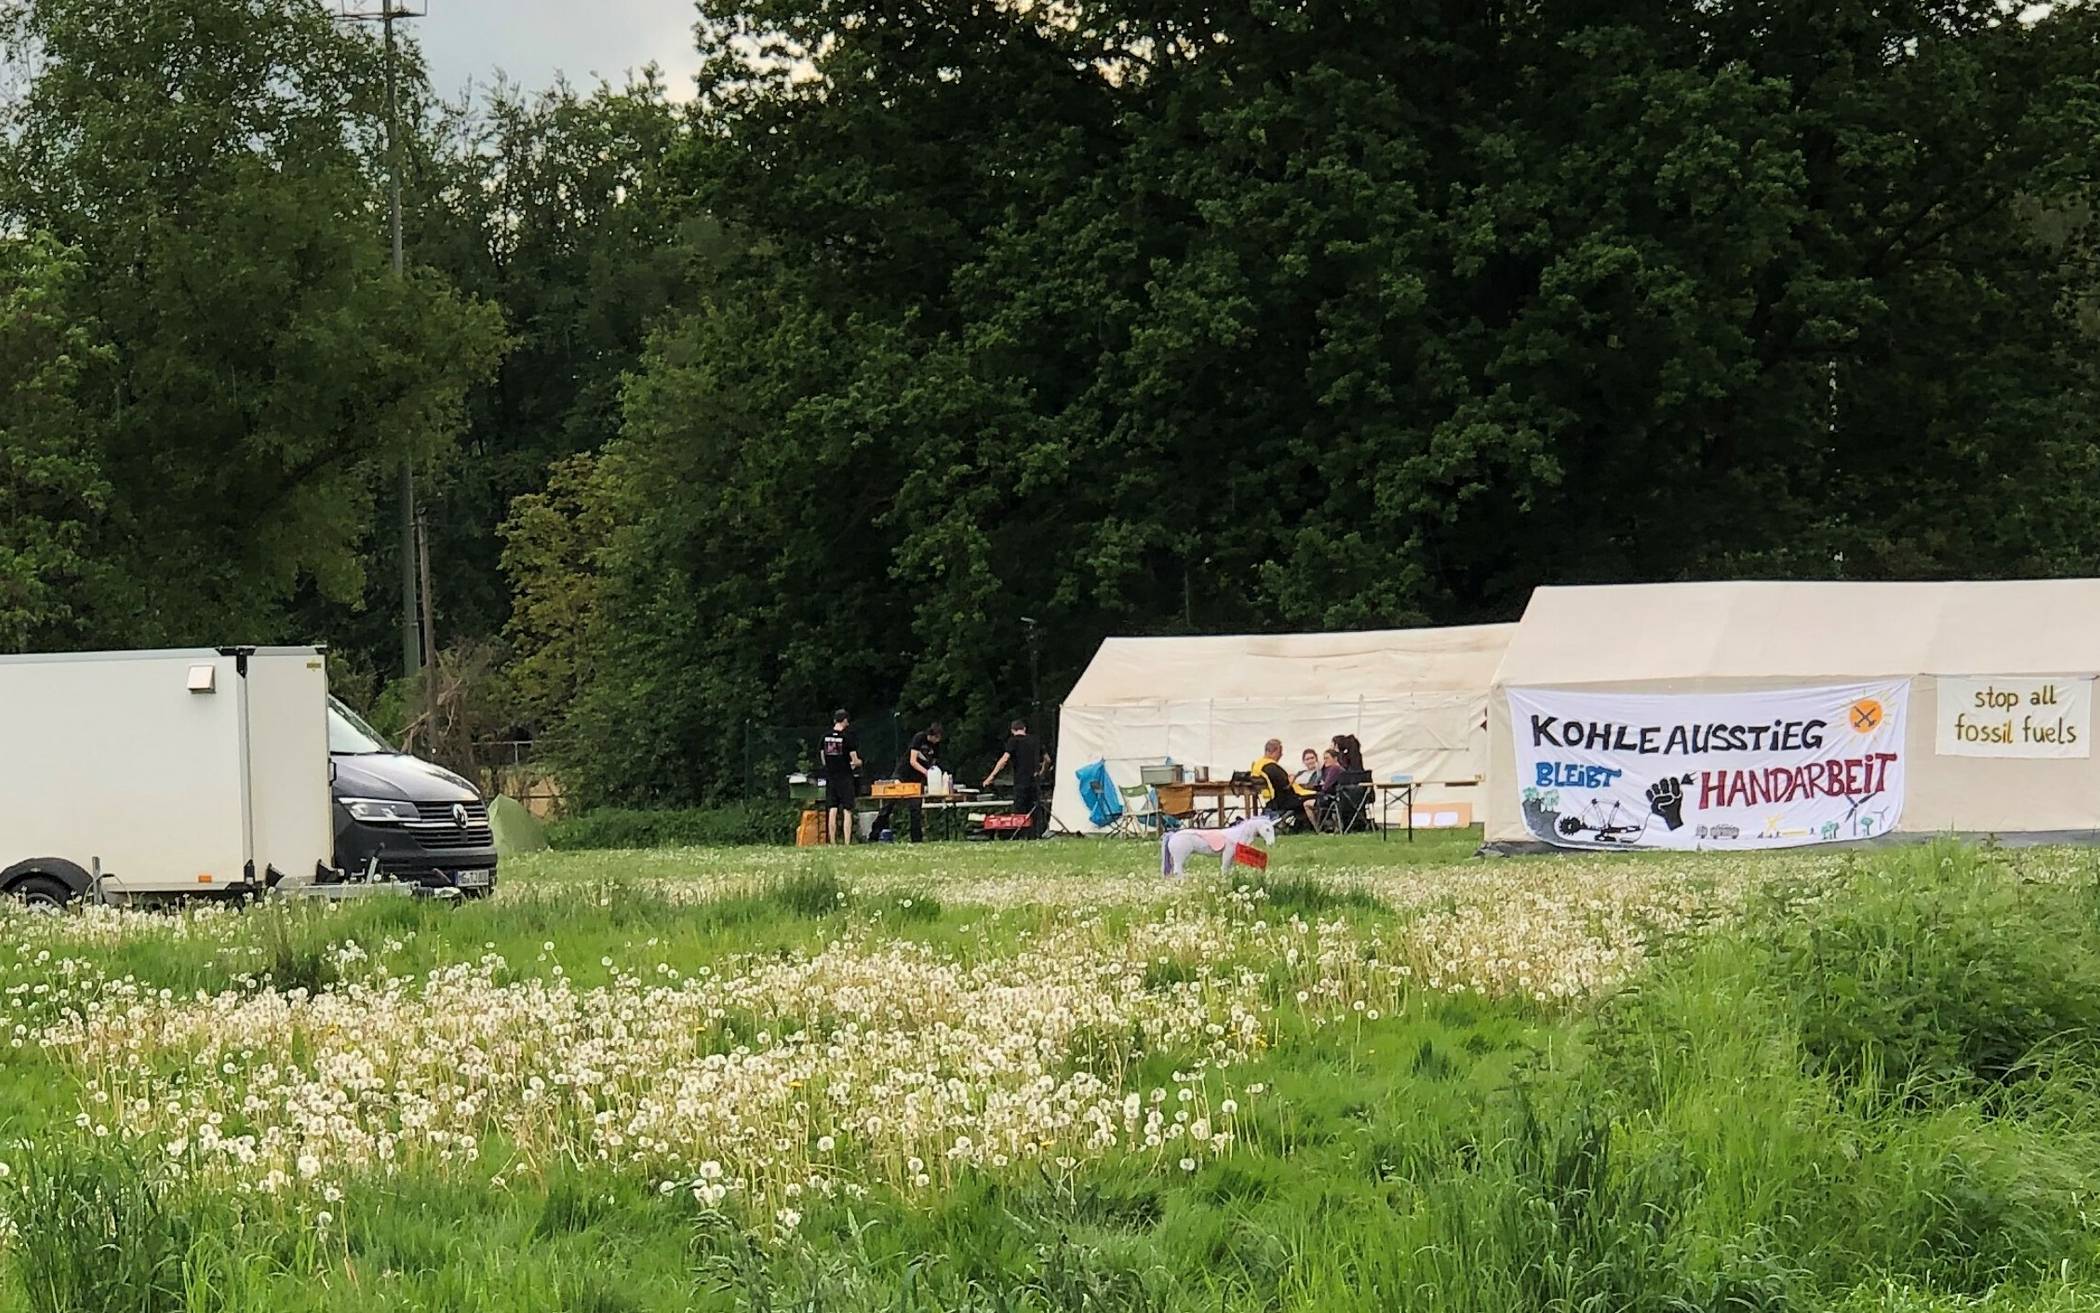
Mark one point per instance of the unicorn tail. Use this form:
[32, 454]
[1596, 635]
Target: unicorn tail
[1166, 856]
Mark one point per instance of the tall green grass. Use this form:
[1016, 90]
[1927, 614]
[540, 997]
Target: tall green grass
[94, 1233]
[1940, 973]
[1884, 1097]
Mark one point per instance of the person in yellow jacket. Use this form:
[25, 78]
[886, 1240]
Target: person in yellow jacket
[1283, 797]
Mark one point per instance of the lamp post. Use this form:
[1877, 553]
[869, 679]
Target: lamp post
[1035, 675]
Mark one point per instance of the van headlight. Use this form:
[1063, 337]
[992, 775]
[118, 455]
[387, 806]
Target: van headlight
[379, 811]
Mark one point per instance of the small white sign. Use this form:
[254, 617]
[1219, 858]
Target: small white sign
[2020, 716]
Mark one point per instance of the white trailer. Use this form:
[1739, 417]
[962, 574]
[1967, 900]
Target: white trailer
[163, 773]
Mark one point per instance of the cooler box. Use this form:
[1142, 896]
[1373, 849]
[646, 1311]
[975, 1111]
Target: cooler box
[1008, 824]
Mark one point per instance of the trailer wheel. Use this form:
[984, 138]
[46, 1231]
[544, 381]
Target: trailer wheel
[41, 893]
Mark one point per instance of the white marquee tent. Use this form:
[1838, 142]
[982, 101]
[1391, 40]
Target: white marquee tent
[1743, 637]
[1415, 699]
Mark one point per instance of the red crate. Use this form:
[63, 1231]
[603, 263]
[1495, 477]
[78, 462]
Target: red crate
[1005, 821]
[1242, 855]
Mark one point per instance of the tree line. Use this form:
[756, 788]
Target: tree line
[921, 318]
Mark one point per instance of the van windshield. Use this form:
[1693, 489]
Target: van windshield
[348, 735]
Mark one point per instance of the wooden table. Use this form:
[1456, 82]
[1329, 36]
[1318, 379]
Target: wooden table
[1220, 792]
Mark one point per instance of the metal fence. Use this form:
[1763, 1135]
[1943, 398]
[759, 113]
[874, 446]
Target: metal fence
[773, 752]
[514, 768]
[509, 767]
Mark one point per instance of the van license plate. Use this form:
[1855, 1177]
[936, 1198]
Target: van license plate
[472, 879]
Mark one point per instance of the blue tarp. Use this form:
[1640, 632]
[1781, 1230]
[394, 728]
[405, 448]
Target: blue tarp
[1103, 802]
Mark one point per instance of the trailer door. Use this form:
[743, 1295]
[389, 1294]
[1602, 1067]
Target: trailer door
[292, 827]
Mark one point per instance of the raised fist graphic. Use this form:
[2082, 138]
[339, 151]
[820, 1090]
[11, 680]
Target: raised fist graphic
[1666, 799]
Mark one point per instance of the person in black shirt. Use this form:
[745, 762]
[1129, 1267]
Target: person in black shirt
[1027, 759]
[839, 756]
[1349, 751]
[922, 756]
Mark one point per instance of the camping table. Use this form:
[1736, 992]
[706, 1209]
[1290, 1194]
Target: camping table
[958, 806]
[991, 807]
[1387, 791]
[1222, 791]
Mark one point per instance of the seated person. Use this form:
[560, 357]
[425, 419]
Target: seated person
[1308, 776]
[1327, 798]
[1349, 751]
[1283, 798]
[1332, 773]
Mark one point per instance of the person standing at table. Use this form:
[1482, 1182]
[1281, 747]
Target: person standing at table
[1027, 759]
[919, 759]
[838, 754]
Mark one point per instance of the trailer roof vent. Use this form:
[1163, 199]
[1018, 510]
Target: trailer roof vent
[204, 679]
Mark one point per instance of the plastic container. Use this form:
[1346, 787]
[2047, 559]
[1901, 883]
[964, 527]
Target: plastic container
[809, 831]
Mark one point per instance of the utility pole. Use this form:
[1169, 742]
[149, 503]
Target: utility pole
[387, 14]
[430, 669]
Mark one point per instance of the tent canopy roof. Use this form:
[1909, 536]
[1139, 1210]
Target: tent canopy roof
[1621, 633]
[1374, 664]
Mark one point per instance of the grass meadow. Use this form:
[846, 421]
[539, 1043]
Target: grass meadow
[1041, 1077]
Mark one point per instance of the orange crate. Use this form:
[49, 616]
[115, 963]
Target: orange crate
[895, 789]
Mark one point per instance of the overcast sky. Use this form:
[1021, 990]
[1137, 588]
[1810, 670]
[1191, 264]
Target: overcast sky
[531, 40]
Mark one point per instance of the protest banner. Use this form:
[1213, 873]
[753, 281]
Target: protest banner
[1772, 769]
[2005, 716]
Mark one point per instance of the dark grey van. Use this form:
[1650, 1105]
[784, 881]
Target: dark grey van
[423, 823]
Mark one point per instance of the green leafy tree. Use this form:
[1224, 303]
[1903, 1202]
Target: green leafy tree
[208, 161]
[741, 566]
[52, 493]
[557, 208]
[1154, 318]
[553, 541]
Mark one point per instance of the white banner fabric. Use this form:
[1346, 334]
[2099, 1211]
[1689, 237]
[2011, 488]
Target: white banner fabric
[1710, 770]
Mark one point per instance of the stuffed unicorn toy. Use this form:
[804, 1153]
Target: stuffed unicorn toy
[1175, 846]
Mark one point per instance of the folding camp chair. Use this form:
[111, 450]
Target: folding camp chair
[1141, 813]
[1176, 803]
[1104, 803]
[1132, 812]
[1349, 810]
